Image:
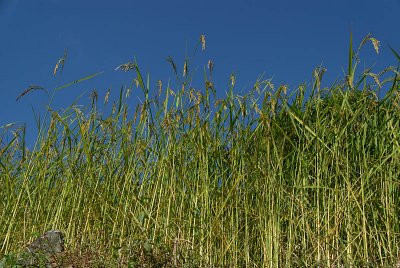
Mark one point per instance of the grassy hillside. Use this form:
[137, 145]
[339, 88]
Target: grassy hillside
[274, 178]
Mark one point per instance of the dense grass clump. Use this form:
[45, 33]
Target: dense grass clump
[268, 179]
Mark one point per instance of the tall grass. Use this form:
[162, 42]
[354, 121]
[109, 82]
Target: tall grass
[268, 179]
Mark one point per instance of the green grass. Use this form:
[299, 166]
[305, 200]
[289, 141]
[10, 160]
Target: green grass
[268, 179]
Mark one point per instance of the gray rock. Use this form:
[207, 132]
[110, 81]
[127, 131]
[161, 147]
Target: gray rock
[52, 242]
[43, 251]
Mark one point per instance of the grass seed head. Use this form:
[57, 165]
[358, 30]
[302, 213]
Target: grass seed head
[210, 65]
[159, 82]
[107, 96]
[376, 44]
[203, 41]
[185, 69]
[30, 89]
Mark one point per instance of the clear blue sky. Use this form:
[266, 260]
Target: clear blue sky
[283, 39]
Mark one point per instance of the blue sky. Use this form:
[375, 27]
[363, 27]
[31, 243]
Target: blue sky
[284, 40]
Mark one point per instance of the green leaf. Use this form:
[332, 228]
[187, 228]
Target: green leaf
[147, 246]
[79, 80]
[395, 53]
[350, 55]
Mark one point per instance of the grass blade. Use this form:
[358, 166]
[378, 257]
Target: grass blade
[78, 81]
